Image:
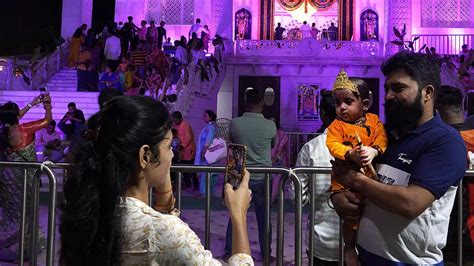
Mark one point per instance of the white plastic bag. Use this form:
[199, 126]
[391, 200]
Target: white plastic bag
[217, 151]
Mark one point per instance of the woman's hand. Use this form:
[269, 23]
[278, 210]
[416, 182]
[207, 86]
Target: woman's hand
[37, 100]
[238, 201]
[47, 102]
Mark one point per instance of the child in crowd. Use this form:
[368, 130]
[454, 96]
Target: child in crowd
[175, 144]
[129, 77]
[352, 126]
[154, 83]
[124, 63]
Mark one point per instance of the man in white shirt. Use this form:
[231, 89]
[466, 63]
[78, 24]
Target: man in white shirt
[326, 222]
[196, 27]
[112, 51]
[49, 143]
[305, 30]
[181, 55]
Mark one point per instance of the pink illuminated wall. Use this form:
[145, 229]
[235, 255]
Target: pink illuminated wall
[74, 14]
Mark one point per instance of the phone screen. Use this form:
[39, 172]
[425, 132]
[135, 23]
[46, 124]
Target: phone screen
[235, 164]
[43, 92]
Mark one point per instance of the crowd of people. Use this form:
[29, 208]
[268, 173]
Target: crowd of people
[397, 216]
[139, 60]
[305, 31]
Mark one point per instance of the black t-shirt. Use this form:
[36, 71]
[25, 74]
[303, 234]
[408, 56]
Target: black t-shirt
[128, 31]
[161, 32]
[469, 122]
[279, 33]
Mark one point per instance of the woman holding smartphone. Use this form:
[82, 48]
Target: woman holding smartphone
[106, 218]
[207, 135]
[17, 143]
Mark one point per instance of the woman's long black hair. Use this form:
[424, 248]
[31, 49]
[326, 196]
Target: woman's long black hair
[8, 116]
[91, 221]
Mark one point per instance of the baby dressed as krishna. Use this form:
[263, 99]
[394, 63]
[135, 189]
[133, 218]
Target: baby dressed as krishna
[355, 136]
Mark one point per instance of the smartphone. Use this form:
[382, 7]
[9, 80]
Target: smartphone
[236, 158]
[43, 92]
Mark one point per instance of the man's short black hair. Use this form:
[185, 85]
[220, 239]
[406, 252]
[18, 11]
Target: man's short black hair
[71, 104]
[327, 105]
[449, 96]
[422, 68]
[253, 98]
[106, 95]
[177, 115]
[198, 20]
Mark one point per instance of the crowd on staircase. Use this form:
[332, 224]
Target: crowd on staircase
[142, 60]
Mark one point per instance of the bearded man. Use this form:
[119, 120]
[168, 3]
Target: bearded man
[405, 216]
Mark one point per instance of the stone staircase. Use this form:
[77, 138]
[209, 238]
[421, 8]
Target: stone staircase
[85, 101]
[199, 96]
[193, 98]
[65, 80]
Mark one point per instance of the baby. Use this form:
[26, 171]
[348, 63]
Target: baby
[355, 136]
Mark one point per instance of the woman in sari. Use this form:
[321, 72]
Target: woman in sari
[18, 145]
[75, 47]
[207, 135]
[157, 59]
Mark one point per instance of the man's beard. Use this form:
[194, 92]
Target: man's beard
[403, 115]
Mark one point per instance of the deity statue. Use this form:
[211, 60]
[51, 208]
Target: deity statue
[308, 102]
[369, 25]
[243, 24]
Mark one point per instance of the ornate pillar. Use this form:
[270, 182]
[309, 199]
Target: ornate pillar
[75, 13]
[221, 18]
[346, 19]
[399, 13]
[221, 22]
[267, 9]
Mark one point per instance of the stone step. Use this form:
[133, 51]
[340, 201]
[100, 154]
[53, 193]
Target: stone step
[62, 78]
[85, 101]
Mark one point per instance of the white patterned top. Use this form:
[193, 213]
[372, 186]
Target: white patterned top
[153, 238]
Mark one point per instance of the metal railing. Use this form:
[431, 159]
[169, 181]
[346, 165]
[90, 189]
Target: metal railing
[325, 170]
[296, 140]
[310, 49]
[268, 171]
[287, 173]
[39, 72]
[445, 44]
[51, 210]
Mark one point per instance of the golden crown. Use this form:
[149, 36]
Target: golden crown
[343, 82]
